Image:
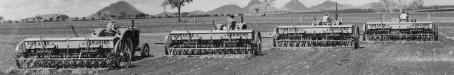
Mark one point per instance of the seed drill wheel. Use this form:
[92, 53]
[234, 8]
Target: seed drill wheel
[21, 63]
[123, 53]
[145, 50]
[258, 40]
[356, 36]
[166, 45]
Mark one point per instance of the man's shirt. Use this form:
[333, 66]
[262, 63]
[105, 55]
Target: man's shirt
[403, 16]
[325, 19]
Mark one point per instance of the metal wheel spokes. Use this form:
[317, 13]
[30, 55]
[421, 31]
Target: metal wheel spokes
[124, 55]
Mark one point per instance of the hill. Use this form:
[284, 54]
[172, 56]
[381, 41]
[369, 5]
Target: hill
[294, 5]
[252, 3]
[256, 4]
[47, 17]
[227, 9]
[118, 9]
[330, 5]
[196, 12]
[166, 13]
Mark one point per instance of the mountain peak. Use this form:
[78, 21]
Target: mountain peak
[252, 3]
[117, 9]
[294, 5]
[228, 9]
[121, 2]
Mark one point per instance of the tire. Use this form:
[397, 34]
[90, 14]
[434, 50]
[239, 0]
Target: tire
[166, 45]
[356, 43]
[144, 50]
[123, 52]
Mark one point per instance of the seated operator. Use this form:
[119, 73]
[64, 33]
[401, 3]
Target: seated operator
[326, 19]
[111, 27]
[231, 22]
[404, 17]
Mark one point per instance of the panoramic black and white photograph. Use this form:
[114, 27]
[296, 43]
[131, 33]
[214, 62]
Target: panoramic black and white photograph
[226, 37]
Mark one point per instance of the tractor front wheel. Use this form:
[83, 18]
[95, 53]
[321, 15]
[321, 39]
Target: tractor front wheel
[145, 50]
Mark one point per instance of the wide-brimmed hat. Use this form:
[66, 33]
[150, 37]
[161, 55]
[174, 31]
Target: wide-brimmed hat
[112, 21]
[231, 16]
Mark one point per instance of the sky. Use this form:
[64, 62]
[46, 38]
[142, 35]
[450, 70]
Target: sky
[17, 9]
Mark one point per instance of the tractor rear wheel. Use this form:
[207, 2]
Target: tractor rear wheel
[123, 50]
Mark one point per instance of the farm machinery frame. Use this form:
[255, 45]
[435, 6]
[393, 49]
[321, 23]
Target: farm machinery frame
[100, 50]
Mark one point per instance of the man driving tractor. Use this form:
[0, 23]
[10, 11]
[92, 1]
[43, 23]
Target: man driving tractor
[231, 24]
[111, 27]
[404, 17]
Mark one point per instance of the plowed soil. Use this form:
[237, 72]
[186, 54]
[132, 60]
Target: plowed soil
[393, 58]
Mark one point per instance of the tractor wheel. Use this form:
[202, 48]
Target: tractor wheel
[123, 51]
[356, 43]
[145, 50]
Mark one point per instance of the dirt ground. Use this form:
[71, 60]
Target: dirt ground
[395, 58]
[373, 59]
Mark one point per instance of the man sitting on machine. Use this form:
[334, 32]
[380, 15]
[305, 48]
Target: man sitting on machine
[241, 24]
[111, 28]
[230, 24]
[326, 19]
[404, 17]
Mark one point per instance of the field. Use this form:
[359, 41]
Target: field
[403, 58]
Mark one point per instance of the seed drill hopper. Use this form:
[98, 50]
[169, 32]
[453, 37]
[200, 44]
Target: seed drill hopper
[101, 50]
[319, 34]
[213, 42]
[316, 36]
[400, 31]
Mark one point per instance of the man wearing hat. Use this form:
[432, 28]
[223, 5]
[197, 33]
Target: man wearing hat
[231, 22]
[326, 18]
[110, 28]
[404, 17]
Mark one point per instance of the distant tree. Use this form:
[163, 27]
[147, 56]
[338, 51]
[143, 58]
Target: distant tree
[416, 4]
[76, 18]
[51, 19]
[39, 18]
[141, 16]
[63, 17]
[1, 19]
[58, 18]
[99, 14]
[10, 21]
[84, 18]
[104, 16]
[113, 16]
[166, 15]
[185, 14]
[176, 4]
[123, 15]
[257, 10]
[267, 4]
[92, 18]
